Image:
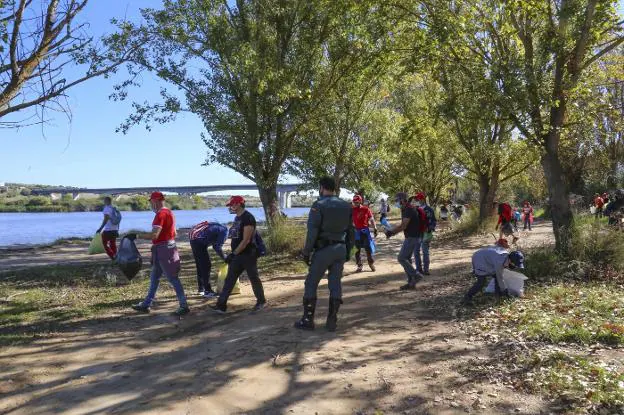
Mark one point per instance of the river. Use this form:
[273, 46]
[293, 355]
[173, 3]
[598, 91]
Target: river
[44, 228]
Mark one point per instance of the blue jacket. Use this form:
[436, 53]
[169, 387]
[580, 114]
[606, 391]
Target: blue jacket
[213, 234]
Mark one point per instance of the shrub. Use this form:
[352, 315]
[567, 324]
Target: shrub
[285, 237]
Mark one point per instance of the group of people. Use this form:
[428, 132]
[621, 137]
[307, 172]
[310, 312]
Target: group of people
[508, 219]
[335, 228]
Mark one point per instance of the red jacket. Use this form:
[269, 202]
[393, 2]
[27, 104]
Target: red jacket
[505, 213]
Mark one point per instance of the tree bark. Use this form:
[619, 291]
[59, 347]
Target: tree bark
[488, 186]
[560, 209]
[270, 204]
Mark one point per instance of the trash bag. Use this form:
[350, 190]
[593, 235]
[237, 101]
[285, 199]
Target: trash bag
[128, 258]
[96, 246]
[514, 282]
[221, 274]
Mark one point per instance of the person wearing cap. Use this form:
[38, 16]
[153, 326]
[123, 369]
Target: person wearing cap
[244, 256]
[165, 256]
[328, 246]
[362, 219]
[490, 262]
[411, 228]
[202, 236]
[428, 227]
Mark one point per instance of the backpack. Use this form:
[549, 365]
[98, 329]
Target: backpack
[197, 230]
[423, 223]
[431, 219]
[115, 217]
[259, 243]
[504, 209]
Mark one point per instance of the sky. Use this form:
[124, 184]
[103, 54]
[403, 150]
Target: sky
[87, 152]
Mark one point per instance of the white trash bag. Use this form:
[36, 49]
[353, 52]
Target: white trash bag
[513, 280]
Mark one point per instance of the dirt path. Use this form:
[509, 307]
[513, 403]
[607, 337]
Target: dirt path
[394, 352]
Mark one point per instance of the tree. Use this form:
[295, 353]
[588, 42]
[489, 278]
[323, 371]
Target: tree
[423, 155]
[256, 72]
[39, 40]
[553, 45]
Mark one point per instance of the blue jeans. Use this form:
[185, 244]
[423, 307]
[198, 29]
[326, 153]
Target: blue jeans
[405, 258]
[424, 264]
[161, 265]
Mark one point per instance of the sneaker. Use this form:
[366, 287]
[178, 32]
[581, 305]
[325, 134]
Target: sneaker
[182, 311]
[359, 268]
[372, 267]
[141, 308]
[426, 273]
[218, 308]
[409, 287]
[201, 292]
[209, 295]
[259, 306]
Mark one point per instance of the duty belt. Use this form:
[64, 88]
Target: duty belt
[326, 242]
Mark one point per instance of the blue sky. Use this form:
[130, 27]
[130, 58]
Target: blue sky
[87, 151]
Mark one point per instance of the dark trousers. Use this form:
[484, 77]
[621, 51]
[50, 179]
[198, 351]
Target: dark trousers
[478, 286]
[527, 222]
[203, 265]
[363, 242]
[243, 262]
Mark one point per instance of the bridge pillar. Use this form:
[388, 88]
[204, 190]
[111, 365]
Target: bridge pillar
[75, 196]
[284, 200]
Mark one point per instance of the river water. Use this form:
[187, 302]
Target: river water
[44, 228]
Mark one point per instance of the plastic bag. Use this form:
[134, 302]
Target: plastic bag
[221, 274]
[96, 246]
[128, 258]
[514, 282]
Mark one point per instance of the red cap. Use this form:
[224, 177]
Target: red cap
[503, 242]
[357, 198]
[157, 196]
[236, 200]
[420, 196]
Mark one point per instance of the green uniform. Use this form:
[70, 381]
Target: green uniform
[329, 241]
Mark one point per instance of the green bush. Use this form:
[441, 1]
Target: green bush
[285, 237]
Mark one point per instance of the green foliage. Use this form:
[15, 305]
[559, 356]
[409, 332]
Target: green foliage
[285, 237]
[256, 72]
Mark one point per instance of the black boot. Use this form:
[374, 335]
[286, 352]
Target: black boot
[332, 315]
[307, 321]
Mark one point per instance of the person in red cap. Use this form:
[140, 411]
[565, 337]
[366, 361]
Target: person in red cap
[244, 256]
[362, 219]
[165, 256]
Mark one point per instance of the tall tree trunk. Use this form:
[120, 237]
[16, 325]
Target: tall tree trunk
[488, 186]
[270, 204]
[560, 210]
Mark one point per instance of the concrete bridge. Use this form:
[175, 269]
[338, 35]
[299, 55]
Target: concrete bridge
[284, 191]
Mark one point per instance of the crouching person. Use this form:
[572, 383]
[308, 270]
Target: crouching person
[490, 262]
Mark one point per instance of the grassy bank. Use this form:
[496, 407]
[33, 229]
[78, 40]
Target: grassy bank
[40, 301]
[564, 339]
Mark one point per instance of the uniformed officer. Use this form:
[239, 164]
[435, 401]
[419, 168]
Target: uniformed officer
[327, 248]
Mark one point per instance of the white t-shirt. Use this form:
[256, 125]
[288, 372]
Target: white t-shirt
[108, 210]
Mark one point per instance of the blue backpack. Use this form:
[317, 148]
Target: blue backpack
[259, 243]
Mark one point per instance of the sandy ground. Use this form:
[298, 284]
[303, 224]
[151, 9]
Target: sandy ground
[394, 352]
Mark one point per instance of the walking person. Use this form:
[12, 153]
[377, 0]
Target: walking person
[428, 225]
[383, 210]
[598, 204]
[527, 211]
[504, 221]
[109, 228]
[328, 245]
[244, 256]
[490, 262]
[410, 226]
[516, 218]
[362, 219]
[202, 236]
[165, 256]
